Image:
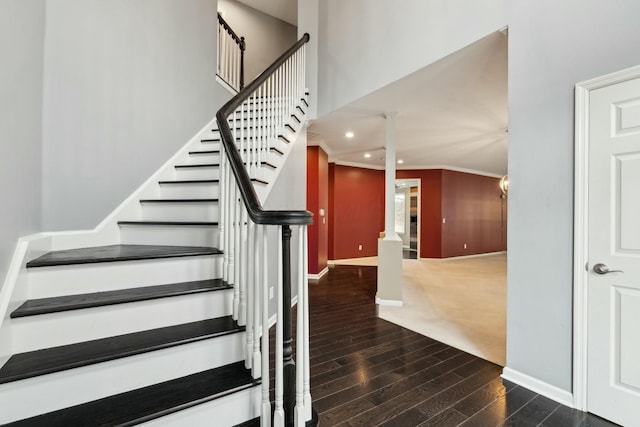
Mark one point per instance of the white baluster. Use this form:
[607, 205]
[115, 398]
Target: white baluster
[241, 263]
[299, 414]
[305, 305]
[231, 238]
[237, 284]
[265, 419]
[248, 243]
[278, 416]
[255, 269]
[222, 220]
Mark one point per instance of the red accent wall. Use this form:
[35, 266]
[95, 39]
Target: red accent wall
[430, 209]
[318, 198]
[474, 214]
[357, 211]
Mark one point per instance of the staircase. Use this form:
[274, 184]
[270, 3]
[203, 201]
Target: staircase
[149, 328]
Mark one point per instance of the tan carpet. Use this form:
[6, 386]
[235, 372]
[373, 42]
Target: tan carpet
[461, 302]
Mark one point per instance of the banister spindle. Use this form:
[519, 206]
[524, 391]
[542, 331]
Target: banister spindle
[305, 325]
[300, 413]
[247, 255]
[256, 363]
[279, 413]
[265, 417]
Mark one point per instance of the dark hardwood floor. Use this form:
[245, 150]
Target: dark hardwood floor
[366, 371]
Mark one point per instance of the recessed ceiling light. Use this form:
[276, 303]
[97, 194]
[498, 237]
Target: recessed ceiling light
[349, 134]
[400, 161]
[367, 155]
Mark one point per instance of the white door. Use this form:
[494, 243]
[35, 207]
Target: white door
[613, 340]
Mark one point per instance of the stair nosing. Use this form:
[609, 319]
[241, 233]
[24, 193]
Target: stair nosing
[118, 297]
[174, 223]
[205, 152]
[191, 181]
[102, 358]
[57, 418]
[195, 251]
[206, 165]
[179, 200]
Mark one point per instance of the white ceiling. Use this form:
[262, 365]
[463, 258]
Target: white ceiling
[452, 114]
[285, 10]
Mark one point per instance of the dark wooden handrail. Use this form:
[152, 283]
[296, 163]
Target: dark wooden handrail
[247, 192]
[227, 27]
[241, 45]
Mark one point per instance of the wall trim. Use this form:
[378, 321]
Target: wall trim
[545, 389]
[226, 85]
[581, 226]
[450, 168]
[347, 260]
[320, 144]
[357, 165]
[453, 258]
[405, 167]
[320, 275]
[389, 302]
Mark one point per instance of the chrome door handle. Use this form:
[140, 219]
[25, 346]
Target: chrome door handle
[603, 269]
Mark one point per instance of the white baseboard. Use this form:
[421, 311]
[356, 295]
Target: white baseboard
[540, 387]
[319, 275]
[350, 260]
[468, 256]
[389, 302]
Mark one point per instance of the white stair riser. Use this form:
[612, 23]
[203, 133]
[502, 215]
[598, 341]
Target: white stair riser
[180, 211]
[56, 329]
[209, 190]
[34, 396]
[85, 278]
[212, 172]
[203, 159]
[168, 235]
[226, 411]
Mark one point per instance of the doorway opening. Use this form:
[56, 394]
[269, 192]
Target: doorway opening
[407, 216]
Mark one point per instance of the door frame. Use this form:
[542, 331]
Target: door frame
[581, 226]
[419, 181]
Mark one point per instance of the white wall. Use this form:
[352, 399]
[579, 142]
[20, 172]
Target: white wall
[267, 37]
[308, 23]
[552, 46]
[289, 192]
[21, 50]
[365, 45]
[126, 83]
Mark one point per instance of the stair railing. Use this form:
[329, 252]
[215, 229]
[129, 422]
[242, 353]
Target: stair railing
[250, 125]
[230, 55]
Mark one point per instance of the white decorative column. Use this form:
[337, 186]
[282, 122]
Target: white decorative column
[390, 247]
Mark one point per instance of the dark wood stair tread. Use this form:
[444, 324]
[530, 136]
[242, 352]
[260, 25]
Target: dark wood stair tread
[179, 200]
[55, 359]
[147, 403]
[172, 223]
[191, 181]
[208, 165]
[121, 296]
[205, 152]
[114, 253]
